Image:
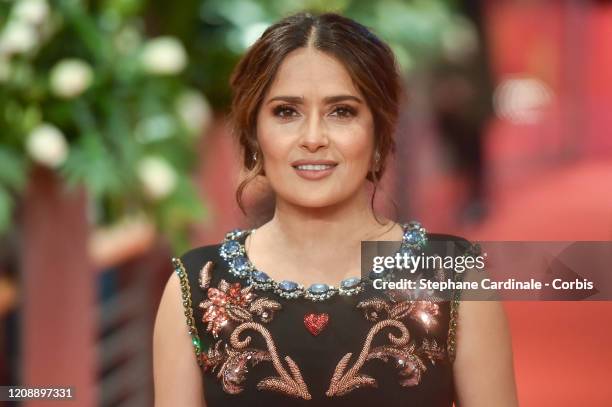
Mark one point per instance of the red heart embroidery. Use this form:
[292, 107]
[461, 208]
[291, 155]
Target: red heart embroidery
[315, 323]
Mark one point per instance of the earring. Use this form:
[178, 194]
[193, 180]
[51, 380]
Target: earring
[254, 155]
[376, 160]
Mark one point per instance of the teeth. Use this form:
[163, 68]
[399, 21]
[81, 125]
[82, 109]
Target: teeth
[314, 167]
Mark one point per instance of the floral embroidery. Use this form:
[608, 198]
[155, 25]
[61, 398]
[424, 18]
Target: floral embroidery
[408, 357]
[343, 383]
[233, 360]
[232, 364]
[293, 384]
[423, 312]
[235, 309]
[233, 303]
[205, 275]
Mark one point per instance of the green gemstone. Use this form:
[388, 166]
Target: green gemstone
[196, 343]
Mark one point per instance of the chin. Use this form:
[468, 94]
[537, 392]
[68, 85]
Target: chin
[316, 199]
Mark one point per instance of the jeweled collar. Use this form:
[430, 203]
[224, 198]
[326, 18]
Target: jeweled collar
[233, 252]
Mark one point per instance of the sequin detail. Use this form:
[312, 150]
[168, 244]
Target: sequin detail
[291, 383]
[232, 361]
[230, 302]
[409, 358]
[343, 383]
[315, 323]
[232, 364]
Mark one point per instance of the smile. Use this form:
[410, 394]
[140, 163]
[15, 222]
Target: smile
[314, 167]
[314, 171]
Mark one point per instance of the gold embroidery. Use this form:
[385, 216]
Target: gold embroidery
[232, 364]
[451, 345]
[233, 361]
[292, 385]
[186, 297]
[205, 275]
[423, 312]
[232, 303]
[408, 357]
[343, 384]
[264, 308]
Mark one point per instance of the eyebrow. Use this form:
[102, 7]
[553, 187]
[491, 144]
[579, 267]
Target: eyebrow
[328, 100]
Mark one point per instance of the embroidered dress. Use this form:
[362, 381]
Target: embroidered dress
[265, 343]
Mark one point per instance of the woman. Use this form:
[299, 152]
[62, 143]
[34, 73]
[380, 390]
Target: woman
[314, 109]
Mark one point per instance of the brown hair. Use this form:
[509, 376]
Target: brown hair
[369, 61]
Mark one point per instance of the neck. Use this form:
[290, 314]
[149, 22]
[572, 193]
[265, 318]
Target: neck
[326, 227]
[317, 244]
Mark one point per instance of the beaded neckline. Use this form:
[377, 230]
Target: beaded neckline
[232, 250]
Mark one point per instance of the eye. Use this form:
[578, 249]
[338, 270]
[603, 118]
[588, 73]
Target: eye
[344, 112]
[285, 112]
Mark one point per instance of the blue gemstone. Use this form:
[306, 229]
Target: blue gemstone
[349, 283]
[318, 288]
[413, 236]
[241, 265]
[230, 249]
[260, 276]
[287, 285]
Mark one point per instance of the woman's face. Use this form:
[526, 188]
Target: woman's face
[315, 131]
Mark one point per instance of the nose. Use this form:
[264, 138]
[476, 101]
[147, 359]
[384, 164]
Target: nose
[314, 135]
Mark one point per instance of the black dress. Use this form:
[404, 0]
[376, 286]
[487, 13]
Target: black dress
[256, 347]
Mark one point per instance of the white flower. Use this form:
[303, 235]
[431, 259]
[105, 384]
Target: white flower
[18, 37]
[31, 11]
[195, 111]
[47, 145]
[164, 56]
[70, 78]
[157, 176]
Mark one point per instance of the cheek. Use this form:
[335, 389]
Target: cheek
[357, 147]
[275, 146]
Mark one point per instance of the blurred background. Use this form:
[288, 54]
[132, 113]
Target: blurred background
[115, 155]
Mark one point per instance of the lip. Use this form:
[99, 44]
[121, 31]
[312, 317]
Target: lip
[314, 162]
[314, 174]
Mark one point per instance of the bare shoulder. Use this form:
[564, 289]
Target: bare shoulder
[483, 367]
[177, 376]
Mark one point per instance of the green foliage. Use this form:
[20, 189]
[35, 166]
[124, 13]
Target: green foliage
[83, 91]
[219, 31]
[114, 123]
